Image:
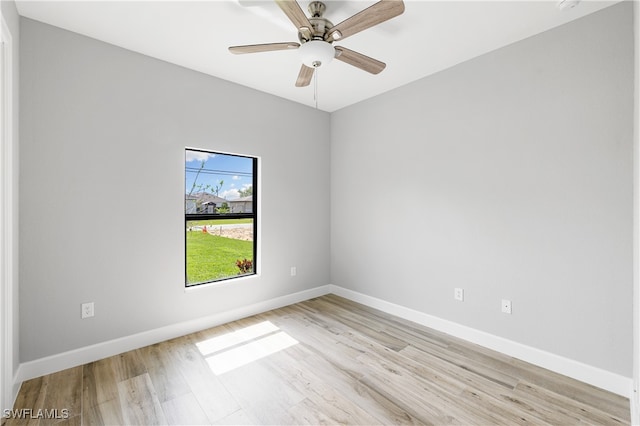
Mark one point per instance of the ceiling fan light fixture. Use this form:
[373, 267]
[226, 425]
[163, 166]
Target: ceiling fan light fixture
[316, 52]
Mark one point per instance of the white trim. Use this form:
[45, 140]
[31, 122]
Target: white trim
[592, 375]
[223, 283]
[53, 363]
[258, 218]
[8, 390]
[634, 397]
[586, 373]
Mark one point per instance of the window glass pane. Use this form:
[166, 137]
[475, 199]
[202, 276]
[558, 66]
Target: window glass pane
[219, 249]
[218, 183]
[220, 219]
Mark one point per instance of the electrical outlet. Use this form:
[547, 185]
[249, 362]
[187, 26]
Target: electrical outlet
[458, 294]
[294, 271]
[506, 306]
[87, 310]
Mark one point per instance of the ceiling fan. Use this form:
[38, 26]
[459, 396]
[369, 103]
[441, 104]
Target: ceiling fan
[317, 34]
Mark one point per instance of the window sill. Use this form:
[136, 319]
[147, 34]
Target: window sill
[223, 283]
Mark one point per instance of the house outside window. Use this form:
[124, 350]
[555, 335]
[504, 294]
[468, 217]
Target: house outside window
[220, 216]
[242, 205]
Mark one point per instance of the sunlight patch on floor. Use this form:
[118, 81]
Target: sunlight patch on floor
[238, 348]
[218, 343]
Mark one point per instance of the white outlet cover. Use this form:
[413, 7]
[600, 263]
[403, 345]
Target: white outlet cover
[458, 294]
[87, 310]
[506, 306]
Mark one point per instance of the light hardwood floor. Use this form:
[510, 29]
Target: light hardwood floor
[323, 361]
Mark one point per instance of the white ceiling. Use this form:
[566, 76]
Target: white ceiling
[430, 36]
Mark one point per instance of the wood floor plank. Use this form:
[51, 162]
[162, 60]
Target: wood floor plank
[65, 391]
[70, 421]
[184, 410]
[521, 403]
[237, 418]
[386, 410]
[427, 386]
[214, 399]
[361, 345]
[321, 341]
[211, 333]
[562, 385]
[446, 374]
[410, 398]
[162, 367]
[565, 406]
[324, 361]
[369, 328]
[105, 413]
[30, 397]
[128, 365]
[383, 410]
[262, 393]
[390, 322]
[99, 383]
[336, 407]
[139, 402]
[498, 376]
[577, 391]
[306, 412]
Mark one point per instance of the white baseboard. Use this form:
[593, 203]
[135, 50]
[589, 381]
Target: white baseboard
[634, 402]
[15, 387]
[53, 363]
[592, 375]
[585, 373]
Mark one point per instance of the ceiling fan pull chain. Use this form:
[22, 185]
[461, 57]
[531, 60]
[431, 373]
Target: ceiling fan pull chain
[315, 86]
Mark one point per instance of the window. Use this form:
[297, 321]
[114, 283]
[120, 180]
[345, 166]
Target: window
[220, 210]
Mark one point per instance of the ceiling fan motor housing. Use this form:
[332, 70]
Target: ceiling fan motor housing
[320, 25]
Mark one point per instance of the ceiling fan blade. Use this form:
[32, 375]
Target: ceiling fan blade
[373, 15]
[268, 47]
[305, 75]
[359, 60]
[294, 12]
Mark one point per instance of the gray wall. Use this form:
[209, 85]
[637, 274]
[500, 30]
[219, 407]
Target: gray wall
[510, 176]
[102, 184]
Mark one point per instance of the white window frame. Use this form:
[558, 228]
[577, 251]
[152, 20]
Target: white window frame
[255, 214]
